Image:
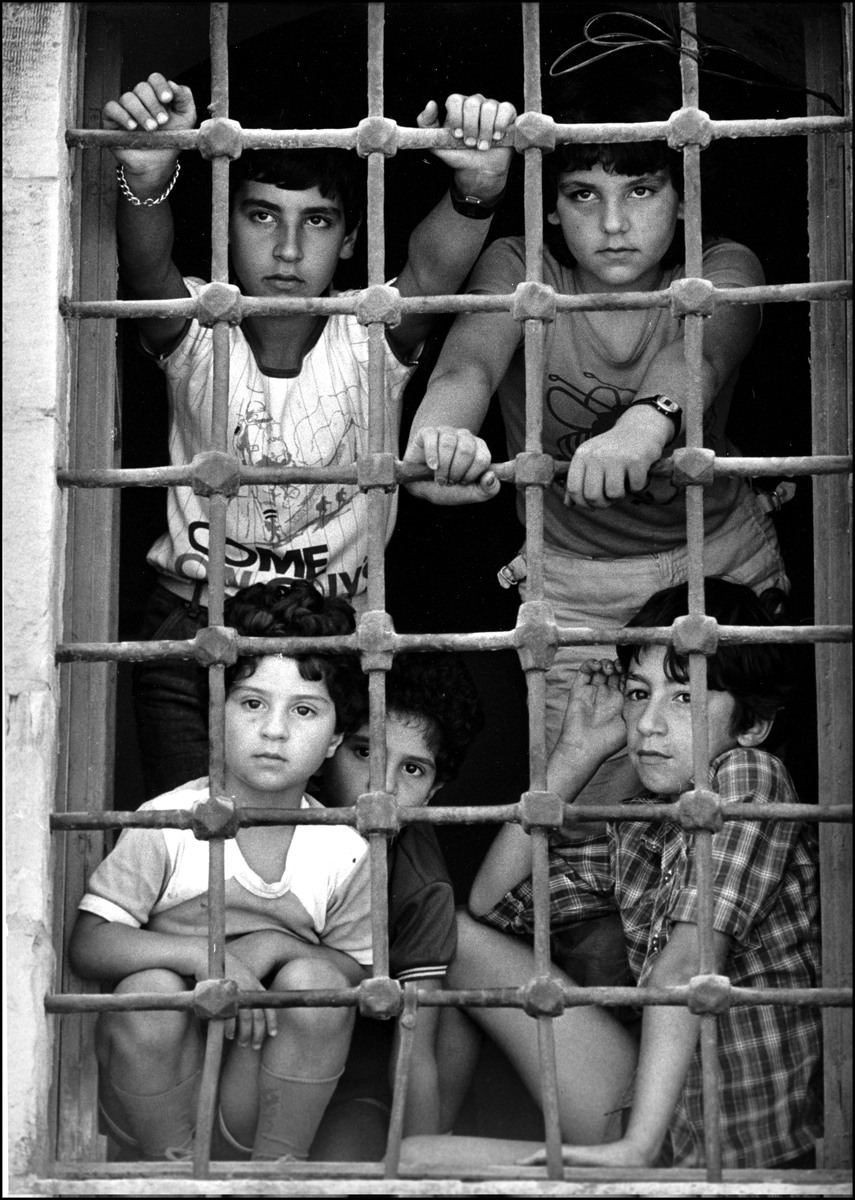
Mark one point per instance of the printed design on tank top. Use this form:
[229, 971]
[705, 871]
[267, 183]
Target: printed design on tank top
[588, 414]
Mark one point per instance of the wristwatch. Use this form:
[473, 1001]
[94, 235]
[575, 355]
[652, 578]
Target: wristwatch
[668, 407]
[471, 206]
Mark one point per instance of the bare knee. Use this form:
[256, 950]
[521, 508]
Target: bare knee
[305, 974]
[147, 1031]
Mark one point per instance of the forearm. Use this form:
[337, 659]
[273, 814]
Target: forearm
[668, 1040]
[269, 949]
[507, 863]
[145, 233]
[109, 952]
[444, 247]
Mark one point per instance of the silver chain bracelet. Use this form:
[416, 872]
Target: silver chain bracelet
[126, 191]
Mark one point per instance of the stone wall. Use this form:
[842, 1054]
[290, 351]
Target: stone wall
[39, 90]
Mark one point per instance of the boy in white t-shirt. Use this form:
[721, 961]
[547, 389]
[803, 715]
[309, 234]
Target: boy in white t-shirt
[298, 383]
[297, 911]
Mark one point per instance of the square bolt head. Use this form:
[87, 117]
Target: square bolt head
[533, 468]
[215, 817]
[536, 635]
[689, 127]
[215, 474]
[375, 639]
[692, 296]
[700, 809]
[541, 810]
[709, 994]
[376, 133]
[693, 464]
[534, 302]
[379, 304]
[694, 634]
[544, 997]
[216, 644]
[377, 812]
[216, 999]
[219, 302]
[380, 998]
[534, 129]
[376, 470]
[220, 136]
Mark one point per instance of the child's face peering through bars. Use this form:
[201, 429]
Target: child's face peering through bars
[279, 728]
[410, 765]
[617, 227]
[658, 716]
[286, 243]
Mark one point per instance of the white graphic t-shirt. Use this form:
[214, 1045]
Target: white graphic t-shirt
[316, 416]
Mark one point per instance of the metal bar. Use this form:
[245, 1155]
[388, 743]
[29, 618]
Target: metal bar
[710, 1075]
[413, 138]
[482, 815]
[768, 293]
[549, 1097]
[515, 997]
[499, 640]
[218, 38]
[379, 903]
[249, 476]
[407, 1025]
[208, 1093]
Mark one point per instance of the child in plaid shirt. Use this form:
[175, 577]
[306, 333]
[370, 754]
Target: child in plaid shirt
[622, 1104]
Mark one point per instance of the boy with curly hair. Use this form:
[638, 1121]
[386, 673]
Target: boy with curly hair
[296, 910]
[432, 714]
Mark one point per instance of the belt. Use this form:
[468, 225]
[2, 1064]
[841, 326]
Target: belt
[195, 594]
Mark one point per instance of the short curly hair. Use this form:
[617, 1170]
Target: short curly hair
[437, 689]
[301, 610]
[760, 678]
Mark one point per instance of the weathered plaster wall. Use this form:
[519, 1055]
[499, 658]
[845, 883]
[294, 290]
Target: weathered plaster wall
[39, 88]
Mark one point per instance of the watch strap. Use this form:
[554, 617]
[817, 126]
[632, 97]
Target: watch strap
[471, 206]
[667, 407]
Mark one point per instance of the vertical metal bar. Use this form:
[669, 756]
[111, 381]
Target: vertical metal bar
[828, 43]
[549, 1096]
[709, 1030]
[693, 349]
[218, 38]
[379, 903]
[545, 1032]
[407, 1026]
[218, 506]
[691, 154]
[208, 1092]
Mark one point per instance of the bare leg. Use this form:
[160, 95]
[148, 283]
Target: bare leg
[458, 1045]
[595, 1055]
[281, 1092]
[149, 1064]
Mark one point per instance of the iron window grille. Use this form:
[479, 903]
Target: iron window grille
[218, 475]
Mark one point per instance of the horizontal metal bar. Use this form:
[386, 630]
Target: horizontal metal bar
[179, 818]
[291, 1179]
[512, 997]
[183, 476]
[839, 289]
[426, 642]
[412, 138]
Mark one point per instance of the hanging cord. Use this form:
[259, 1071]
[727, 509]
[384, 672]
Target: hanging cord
[637, 33]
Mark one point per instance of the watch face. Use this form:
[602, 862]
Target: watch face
[668, 406]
